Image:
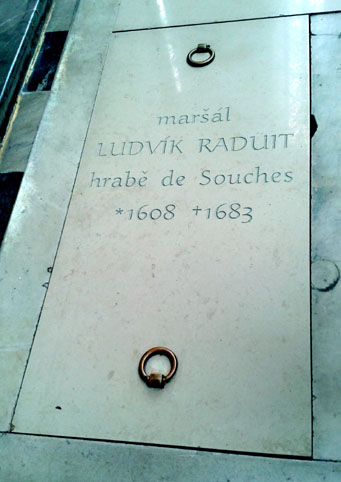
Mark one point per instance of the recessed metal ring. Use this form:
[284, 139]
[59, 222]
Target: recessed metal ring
[158, 380]
[201, 48]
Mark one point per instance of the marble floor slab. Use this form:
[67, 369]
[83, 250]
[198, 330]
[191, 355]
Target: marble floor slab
[166, 13]
[228, 293]
[326, 222]
[33, 459]
[32, 237]
[17, 149]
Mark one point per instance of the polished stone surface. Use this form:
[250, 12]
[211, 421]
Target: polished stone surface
[326, 222]
[18, 145]
[208, 260]
[37, 220]
[35, 459]
[165, 13]
[63, 15]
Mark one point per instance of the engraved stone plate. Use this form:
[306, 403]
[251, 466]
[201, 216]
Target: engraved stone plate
[188, 228]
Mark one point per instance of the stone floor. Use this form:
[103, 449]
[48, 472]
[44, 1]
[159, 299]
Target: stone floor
[31, 245]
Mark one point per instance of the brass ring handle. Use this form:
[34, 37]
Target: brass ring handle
[157, 380]
[201, 48]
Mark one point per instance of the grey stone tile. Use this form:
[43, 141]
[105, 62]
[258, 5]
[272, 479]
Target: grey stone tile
[326, 222]
[33, 459]
[163, 13]
[19, 142]
[32, 236]
[63, 15]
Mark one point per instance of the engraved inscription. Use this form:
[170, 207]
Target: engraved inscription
[207, 147]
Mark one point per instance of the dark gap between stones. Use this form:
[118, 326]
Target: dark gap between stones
[9, 187]
[47, 62]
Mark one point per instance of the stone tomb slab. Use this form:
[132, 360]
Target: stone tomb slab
[188, 228]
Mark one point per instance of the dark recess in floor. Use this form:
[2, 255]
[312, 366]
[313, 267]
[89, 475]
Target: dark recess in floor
[46, 65]
[9, 187]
